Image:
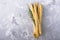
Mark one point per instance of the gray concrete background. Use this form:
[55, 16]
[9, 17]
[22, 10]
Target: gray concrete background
[15, 23]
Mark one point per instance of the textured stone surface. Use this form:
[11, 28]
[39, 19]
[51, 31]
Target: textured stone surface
[15, 23]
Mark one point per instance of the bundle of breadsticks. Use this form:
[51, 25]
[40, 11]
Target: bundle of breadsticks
[36, 15]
